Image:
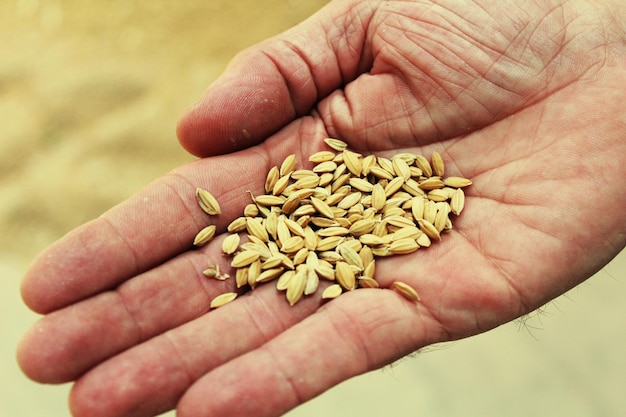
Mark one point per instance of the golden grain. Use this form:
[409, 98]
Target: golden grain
[223, 299]
[406, 291]
[207, 202]
[437, 164]
[230, 244]
[332, 291]
[204, 236]
[336, 144]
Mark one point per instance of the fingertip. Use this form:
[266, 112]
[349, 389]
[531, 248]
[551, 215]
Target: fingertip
[33, 359]
[30, 287]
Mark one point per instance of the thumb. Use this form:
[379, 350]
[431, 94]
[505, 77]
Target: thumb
[270, 84]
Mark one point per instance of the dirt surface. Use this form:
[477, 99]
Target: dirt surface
[90, 93]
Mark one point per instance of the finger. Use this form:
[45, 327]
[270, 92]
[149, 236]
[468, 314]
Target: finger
[157, 223]
[66, 343]
[355, 333]
[270, 84]
[150, 378]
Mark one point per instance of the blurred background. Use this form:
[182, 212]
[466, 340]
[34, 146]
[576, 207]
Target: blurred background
[90, 93]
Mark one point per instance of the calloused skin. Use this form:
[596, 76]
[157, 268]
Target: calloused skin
[525, 98]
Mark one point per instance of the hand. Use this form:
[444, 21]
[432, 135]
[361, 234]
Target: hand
[525, 102]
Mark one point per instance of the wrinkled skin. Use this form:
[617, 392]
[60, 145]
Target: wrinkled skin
[524, 98]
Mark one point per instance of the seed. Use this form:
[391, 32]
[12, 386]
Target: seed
[353, 162]
[393, 186]
[368, 282]
[332, 291]
[272, 262]
[441, 217]
[386, 164]
[406, 291]
[293, 244]
[223, 299]
[407, 232]
[310, 181]
[321, 156]
[269, 275]
[423, 164]
[457, 182]
[322, 208]
[371, 240]
[288, 165]
[349, 200]
[324, 167]
[362, 227]
[251, 210]
[438, 166]
[269, 200]
[244, 258]
[380, 173]
[430, 211]
[370, 269]
[400, 221]
[329, 243]
[325, 270]
[213, 271]
[283, 280]
[253, 273]
[366, 163]
[241, 277]
[431, 183]
[336, 144]
[345, 276]
[361, 184]
[351, 256]
[294, 227]
[438, 195]
[270, 180]
[401, 168]
[281, 185]
[457, 202]
[255, 228]
[333, 231]
[230, 244]
[207, 202]
[403, 246]
[204, 236]
[312, 282]
[379, 197]
[237, 225]
[429, 229]
[295, 287]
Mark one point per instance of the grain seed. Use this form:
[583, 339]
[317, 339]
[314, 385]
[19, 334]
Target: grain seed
[244, 258]
[288, 165]
[406, 291]
[270, 180]
[207, 202]
[437, 164]
[336, 144]
[295, 287]
[230, 244]
[223, 299]
[204, 236]
[332, 291]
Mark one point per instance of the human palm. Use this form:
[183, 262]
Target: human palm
[525, 103]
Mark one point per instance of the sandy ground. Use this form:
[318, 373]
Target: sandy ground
[89, 97]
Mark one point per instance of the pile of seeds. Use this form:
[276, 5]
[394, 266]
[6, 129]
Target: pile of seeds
[332, 221]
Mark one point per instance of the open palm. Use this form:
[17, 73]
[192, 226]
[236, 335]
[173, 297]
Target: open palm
[526, 103]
